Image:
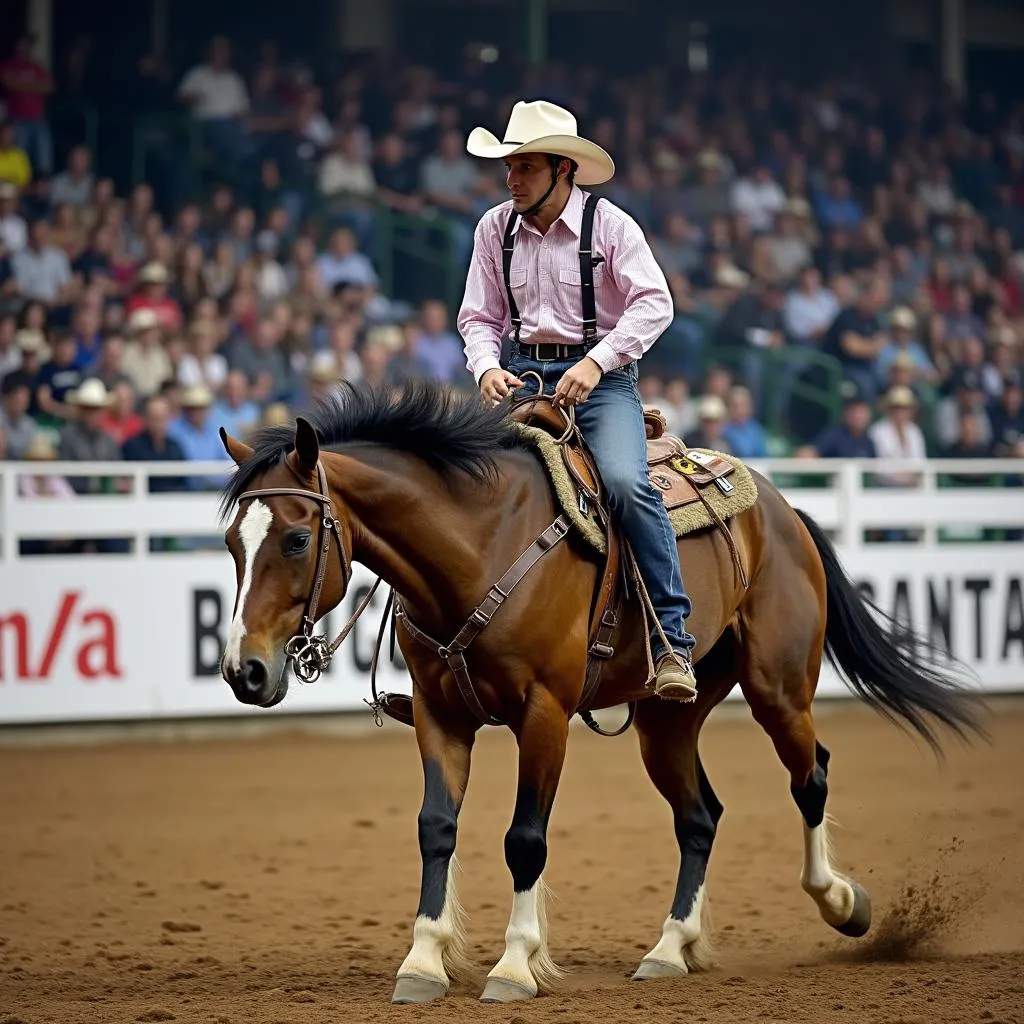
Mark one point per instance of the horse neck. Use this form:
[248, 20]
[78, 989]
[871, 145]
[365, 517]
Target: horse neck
[413, 528]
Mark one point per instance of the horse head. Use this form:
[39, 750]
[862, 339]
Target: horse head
[292, 565]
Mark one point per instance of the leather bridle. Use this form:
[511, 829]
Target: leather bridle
[311, 655]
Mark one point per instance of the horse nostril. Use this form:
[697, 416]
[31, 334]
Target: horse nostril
[255, 674]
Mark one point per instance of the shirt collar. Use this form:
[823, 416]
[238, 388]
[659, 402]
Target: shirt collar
[571, 215]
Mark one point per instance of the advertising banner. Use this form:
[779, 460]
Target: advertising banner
[111, 639]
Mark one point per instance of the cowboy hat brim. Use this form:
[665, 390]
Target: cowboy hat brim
[595, 165]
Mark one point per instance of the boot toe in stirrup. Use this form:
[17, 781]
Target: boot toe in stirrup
[674, 679]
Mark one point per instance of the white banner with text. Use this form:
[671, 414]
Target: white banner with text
[105, 639]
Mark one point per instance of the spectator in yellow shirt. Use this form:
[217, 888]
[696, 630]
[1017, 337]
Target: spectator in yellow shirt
[14, 165]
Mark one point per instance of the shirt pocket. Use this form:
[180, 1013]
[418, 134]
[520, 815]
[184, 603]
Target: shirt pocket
[571, 275]
[518, 278]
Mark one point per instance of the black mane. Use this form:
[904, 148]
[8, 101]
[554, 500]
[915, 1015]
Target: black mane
[448, 429]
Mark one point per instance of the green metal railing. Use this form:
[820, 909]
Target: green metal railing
[153, 130]
[427, 242]
[73, 122]
[775, 363]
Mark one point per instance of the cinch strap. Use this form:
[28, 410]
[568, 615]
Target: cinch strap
[587, 297]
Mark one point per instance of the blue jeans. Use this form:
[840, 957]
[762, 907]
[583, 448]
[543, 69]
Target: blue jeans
[612, 423]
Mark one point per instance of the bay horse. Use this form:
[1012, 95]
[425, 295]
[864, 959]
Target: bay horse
[437, 493]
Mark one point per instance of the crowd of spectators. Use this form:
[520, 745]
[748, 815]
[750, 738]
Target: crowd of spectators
[828, 242]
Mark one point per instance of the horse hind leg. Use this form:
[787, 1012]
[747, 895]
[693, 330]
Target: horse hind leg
[841, 902]
[779, 694]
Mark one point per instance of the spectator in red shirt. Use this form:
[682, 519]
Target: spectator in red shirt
[26, 84]
[119, 419]
[151, 293]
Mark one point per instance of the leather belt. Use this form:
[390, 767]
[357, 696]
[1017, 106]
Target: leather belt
[545, 352]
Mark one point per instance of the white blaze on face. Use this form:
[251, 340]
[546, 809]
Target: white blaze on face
[252, 530]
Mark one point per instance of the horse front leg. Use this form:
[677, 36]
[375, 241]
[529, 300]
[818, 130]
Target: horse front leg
[438, 946]
[526, 966]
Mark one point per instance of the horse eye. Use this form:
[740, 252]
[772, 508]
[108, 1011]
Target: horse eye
[296, 544]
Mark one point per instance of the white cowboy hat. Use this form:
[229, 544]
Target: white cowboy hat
[711, 407]
[543, 127]
[29, 340]
[153, 273]
[904, 318]
[143, 319]
[90, 394]
[900, 396]
[197, 397]
[323, 368]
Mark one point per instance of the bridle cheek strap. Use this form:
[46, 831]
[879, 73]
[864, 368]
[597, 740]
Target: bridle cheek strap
[310, 654]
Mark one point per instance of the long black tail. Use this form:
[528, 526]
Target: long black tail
[890, 678]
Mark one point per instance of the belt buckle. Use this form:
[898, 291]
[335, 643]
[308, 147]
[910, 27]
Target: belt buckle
[547, 346]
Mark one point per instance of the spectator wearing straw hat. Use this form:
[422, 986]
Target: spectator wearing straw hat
[710, 434]
[902, 341]
[197, 434]
[34, 353]
[897, 436]
[146, 361]
[83, 439]
[151, 293]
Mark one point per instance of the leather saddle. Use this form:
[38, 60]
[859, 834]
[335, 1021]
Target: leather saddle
[676, 471]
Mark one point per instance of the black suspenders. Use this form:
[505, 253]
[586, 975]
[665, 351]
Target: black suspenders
[587, 273]
[587, 297]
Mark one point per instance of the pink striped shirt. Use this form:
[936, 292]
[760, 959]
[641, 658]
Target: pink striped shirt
[634, 305]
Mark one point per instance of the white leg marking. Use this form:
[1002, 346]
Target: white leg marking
[526, 960]
[677, 935]
[832, 892]
[439, 946]
[253, 530]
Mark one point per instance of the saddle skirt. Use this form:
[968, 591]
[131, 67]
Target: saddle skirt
[695, 485]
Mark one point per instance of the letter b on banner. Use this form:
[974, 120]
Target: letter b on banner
[207, 645]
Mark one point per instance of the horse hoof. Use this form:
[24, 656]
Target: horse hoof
[860, 919]
[653, 970]
[413, 988]
[498, 990]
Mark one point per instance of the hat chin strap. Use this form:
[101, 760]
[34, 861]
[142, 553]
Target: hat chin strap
[554, 160]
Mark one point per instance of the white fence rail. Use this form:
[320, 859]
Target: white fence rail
[847, 503]
[139, 634]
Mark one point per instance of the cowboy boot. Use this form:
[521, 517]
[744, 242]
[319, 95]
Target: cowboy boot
[674, 678]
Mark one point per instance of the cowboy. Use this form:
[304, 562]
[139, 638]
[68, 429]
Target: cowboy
[533, 261]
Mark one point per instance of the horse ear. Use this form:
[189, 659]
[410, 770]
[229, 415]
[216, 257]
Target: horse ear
[307, 447]
[238, 450]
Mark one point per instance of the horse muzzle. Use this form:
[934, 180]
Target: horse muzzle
[256, 681]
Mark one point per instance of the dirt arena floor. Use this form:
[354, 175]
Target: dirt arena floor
[273, 880]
